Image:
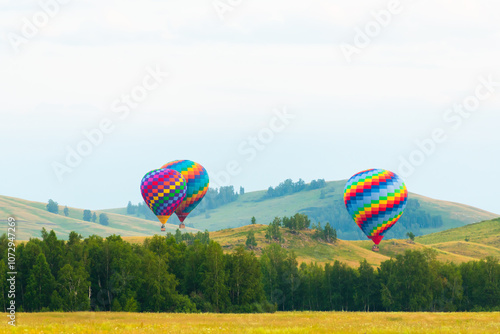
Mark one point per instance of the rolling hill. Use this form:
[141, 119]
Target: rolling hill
[424, 215]
[309, 249]
[485, 233]
[32, 217]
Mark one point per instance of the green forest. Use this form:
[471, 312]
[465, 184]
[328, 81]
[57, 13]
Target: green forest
[191, 273]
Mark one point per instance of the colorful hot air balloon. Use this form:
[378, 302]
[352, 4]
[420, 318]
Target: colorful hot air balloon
[163, 191]
[197, 185]
[375, 198]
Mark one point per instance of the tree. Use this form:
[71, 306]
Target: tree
[366, 286]
[253, 220]
[245, 284]
[87, 215]
[94, 217]
[130, 208]
[66, 211]
[273, 230]
[53, 206]
[406, 282]
[215, 277]
[53, 250]
[103, 219]
[242, 191]
[74, 287]
[297, 222]
[251, 242]
[411, 236]
[41, 283]
[329, 233]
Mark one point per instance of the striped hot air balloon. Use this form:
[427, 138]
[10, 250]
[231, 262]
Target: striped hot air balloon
[197, 185]
[375, 199]
[163, 191]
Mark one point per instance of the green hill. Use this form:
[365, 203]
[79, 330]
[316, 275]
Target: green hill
[485, 233]
[422, 216]
[32, 217]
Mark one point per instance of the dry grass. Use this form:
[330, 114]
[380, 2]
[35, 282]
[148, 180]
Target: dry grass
[281, 322]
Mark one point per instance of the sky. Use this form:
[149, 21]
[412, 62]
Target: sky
[94, 94]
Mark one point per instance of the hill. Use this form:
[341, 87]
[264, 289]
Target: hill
[32, 217]
[309, 249]
[423, 215]
[485, 233]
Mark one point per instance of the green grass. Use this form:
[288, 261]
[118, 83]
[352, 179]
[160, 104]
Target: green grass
[485, 232]
[277, 323]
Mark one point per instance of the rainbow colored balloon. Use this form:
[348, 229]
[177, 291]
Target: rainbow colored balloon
[375, 198]
[197, 185]
[163, 191]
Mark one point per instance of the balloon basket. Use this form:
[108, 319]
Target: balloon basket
[163, 228]
[375, 248]
[181, 225]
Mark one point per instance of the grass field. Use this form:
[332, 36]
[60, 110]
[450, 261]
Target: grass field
[281, 322]
[485, 232]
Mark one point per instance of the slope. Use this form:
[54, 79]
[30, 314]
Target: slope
[309, 249]
[485, 232]
[32, 217]
[423, 215]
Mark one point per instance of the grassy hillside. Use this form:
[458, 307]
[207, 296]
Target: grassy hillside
[32, 217]
[326, 204]
[485, 232]
[309, 249]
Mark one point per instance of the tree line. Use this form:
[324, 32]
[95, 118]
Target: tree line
[191, 273]
[289, 187]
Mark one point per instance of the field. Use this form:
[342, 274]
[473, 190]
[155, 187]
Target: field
[281, 322]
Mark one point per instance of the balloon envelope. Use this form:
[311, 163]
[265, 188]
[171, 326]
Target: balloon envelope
[197, 184]
[375, 199]
[163, 191]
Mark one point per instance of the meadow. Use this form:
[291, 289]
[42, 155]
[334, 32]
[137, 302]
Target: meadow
[280, 322]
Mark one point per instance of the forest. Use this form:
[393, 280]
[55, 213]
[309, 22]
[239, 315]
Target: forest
[191, 273]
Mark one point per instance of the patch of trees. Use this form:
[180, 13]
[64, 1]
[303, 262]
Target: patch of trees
[90, 216]
[251, 242]
[168, 275]
[273, 232]
[296, 223]
[289, 187]
[52, 206]
[327, 233]
[414, 281]
[165, 274]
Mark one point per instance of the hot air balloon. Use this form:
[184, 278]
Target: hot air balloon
[375, 199]
[163, 191]
[197, 185]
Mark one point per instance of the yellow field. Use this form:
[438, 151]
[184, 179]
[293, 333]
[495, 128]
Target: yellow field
[281, 322]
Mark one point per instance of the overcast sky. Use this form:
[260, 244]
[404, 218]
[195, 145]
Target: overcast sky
[257, 91]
